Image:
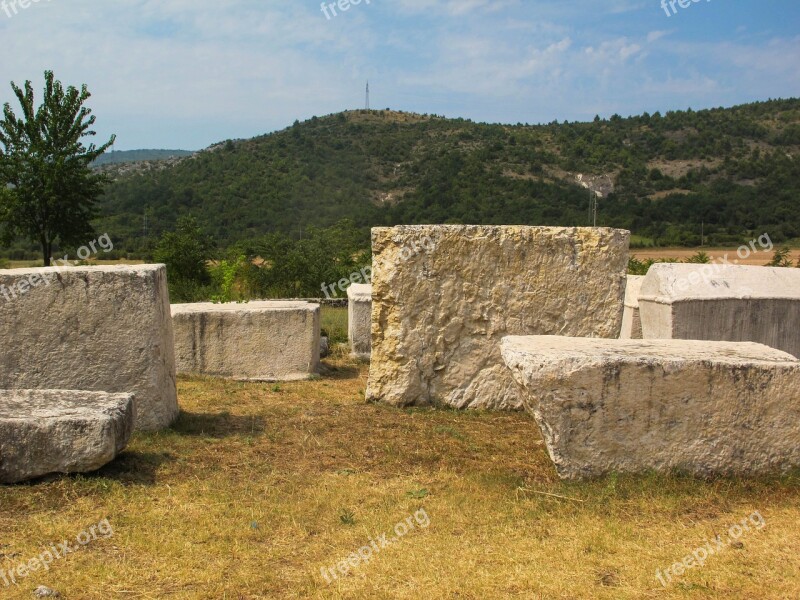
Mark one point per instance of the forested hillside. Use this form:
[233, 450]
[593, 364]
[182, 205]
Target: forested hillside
[730, 172]
[127, 156]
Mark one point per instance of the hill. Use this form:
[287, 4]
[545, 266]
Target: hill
[728, 172]
[128, 156]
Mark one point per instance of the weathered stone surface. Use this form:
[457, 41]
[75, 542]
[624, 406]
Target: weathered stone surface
[631, 321]
[636, 405]
[445, 295]
[102, 329]
[359, 319]
[722, 302]
[58, 431]
[256, 341]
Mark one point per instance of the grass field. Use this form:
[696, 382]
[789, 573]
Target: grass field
[259, 486]
[333, 322]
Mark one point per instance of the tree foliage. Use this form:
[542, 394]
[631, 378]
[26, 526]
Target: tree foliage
[274, 266]
[782, 257]
[186, 252]
[50, 191]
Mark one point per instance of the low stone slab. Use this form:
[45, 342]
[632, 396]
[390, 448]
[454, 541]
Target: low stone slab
[255, 341]
[445, 295]
[631, 321]
[57, 431]
[636, 405]
[359, 320]
[103, 329]
[722, 302]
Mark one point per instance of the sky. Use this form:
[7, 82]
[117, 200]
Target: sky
[190, 73]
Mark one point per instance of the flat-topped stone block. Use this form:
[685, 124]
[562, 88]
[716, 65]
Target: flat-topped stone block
[445, 295]
[631, 321]
[722, 302]
[254, 341]
[636, 405]
[91, 328]
[359, 320]
[58, 431]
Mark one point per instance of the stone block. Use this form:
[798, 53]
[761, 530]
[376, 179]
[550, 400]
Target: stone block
[631, 321]
[58, 431]
[445, 295]
[722, 302]
[104, 329]
[632, 406]
[359, 320]
[254, 341]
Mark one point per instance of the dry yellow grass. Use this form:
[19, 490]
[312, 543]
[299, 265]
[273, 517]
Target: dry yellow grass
[259, 486]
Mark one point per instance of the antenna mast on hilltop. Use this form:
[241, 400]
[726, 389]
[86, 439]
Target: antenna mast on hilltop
[367, 94]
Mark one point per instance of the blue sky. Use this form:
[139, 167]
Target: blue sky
[188, 73]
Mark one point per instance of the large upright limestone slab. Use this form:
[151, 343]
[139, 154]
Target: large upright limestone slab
[631, 321]
[91, 328]
[636, 405]
[255, 341]
[359, 320]
[722, 302]
[58, 431]
[445, 295]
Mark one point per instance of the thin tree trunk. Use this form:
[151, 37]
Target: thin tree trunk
[47, 250]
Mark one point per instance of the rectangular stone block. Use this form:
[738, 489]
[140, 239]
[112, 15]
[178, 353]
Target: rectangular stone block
[445, 295]
[631, 321]
[254, 341]
[359, 320]
[91, 328]
[58, 431]
[722, 302]
[637, 405]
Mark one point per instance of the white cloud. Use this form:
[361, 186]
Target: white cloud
[188, 72]
[654, 36]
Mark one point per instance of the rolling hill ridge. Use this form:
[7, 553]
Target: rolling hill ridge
[728, 172]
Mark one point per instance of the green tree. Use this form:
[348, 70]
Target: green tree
[781, 258]
[325, 256]
[186, 252]
[51, 191]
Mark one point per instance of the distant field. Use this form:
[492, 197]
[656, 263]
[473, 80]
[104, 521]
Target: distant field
[760, 257]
